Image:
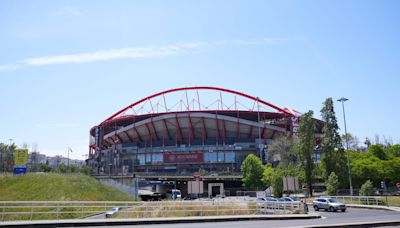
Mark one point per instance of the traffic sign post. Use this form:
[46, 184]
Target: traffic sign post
[384, 189]
[20, 160]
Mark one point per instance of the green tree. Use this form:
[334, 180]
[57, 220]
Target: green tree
[252, 169]
[46, 167]
[277, 182]
[394, 150]
[367, 189]
[7, 157]
[305, 146]
[268, 174]
[62, 168]
[378, 151]
[333, 155]
[333, 184]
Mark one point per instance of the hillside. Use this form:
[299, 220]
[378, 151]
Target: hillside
[57, 187]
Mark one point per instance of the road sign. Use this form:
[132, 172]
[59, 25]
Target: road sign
[196, 176]
[195, 187]
[21, 157]
[261, 194]
[20, 160]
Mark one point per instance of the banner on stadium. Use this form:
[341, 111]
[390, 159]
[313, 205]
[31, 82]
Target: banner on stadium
[194, 157]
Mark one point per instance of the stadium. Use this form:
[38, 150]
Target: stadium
[193, 132]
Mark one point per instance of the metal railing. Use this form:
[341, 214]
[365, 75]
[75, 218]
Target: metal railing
[280, 207]
[363, 200]
[47, 210]
[34, 210]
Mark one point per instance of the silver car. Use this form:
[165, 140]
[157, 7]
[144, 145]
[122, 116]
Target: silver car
[329, 204]
[114, 210]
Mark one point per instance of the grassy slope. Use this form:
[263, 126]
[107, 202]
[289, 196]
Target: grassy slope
[57, 187]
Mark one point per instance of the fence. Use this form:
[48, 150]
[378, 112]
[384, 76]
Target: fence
[280, 207]
[33, 210]
[246, 193]
[46, 210]
[370, 200]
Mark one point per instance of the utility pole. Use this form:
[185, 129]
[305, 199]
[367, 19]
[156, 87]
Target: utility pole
[69, 150]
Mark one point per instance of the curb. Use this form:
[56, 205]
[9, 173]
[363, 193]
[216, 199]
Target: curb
[114, 222]
[367, 224]
[385, 208]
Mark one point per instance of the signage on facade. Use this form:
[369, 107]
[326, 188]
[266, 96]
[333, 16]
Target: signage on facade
[195, 157]
[290, 183]
[196, 176]
[195, 187]
[295, 125]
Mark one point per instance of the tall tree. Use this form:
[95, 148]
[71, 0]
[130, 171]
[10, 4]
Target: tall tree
[305, 146]
[7, 157]
[252, 169]
[333, 156]
[282, 147]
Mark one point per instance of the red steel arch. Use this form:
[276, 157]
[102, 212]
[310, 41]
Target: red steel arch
[198, 88]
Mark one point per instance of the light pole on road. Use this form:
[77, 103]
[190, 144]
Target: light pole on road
[343, 99]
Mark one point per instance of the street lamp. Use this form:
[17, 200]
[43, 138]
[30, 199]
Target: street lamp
[343, 99]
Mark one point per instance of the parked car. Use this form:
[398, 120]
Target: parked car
[112, 212]
[267, 199]
[174, 194]
[329, 204]
[290, 199]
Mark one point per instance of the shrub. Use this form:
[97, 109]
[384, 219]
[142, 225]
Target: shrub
[333, 184]
[367, 189]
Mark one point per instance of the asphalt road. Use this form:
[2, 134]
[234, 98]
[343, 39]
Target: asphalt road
[99, 216]
[352, 215]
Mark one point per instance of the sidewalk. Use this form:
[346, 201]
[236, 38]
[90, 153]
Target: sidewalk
[143, 221]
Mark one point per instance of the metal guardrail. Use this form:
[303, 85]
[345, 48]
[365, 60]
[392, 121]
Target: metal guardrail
[45, 210]
[280, 207]
[31, 210]
[363, 200]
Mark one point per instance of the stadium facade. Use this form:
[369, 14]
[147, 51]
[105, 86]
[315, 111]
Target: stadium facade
[205, 131]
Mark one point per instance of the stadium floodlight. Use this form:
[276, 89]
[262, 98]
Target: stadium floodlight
[343, 99]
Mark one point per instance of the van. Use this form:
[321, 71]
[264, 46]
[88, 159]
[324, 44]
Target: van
[174, 194]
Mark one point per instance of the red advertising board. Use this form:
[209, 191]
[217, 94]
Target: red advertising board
[192, 157]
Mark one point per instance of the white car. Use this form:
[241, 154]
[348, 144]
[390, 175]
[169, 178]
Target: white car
[113, 211]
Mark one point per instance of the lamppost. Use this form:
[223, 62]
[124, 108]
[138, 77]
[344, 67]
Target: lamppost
[343, 99]
[69, 150]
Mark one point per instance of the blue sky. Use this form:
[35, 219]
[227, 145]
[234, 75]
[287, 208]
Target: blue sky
[65, 66]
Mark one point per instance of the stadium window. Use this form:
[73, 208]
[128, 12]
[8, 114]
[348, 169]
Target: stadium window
[210, 157]
[229, 157]
[221, 157]
[157, 158]
[141, 158]
[148, 158]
